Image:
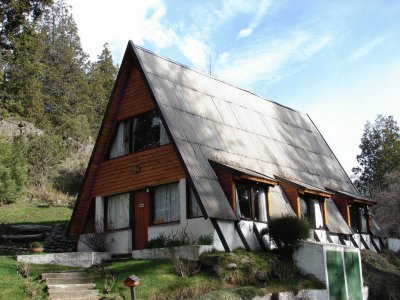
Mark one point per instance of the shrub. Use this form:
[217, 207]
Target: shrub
[97, 240]
[44, 153]
[205, 239]
[287, 231]
[36, 245]
[23, 269]
[13, 171]
[184, 267]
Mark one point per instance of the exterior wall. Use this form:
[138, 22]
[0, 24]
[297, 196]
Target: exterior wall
[312, 258]
[393, 244]
[194, 227]
[321, 235]
[120, 242]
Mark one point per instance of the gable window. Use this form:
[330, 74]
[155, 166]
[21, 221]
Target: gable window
[117, 212]
[139, 133]
[251, 202]
[166, 203]
[193, 209]
[313, 210]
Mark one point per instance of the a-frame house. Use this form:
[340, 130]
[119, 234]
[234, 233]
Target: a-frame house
[179, 150]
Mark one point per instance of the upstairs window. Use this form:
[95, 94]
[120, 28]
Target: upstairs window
[251, 202]
[138, 133]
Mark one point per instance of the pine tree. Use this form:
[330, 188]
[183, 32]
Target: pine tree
[380, 155]
[101, 76]
[66, 65]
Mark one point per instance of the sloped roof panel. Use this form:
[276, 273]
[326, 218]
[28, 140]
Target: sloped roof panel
[218, 120]
[336, 223]
[280, 205]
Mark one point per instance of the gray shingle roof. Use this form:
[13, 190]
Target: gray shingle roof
[213, 120]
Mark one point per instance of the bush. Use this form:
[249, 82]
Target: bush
[36, 245]
[205, 239]
[287, 231]
[44, 153]
[13, 171]
[23, 269]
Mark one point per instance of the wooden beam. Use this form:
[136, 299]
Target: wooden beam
[364, 242]
[259, 237]
[325, 213]
[220, 234]
[318, 193]
[374, 244]
[258, 179]
[354, 241]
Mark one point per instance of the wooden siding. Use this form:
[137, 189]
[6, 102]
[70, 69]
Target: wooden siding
[225, 179]
[343, 206]
[293, 195]
[158, 165]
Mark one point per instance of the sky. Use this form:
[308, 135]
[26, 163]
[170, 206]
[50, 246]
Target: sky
[338, 61]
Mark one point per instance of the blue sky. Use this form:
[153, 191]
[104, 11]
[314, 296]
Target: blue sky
[339, 61]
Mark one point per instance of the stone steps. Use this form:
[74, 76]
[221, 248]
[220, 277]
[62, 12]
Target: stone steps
[70, 285]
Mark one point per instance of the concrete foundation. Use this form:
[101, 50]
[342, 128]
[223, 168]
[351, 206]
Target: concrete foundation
[71, 259]
[185, 252]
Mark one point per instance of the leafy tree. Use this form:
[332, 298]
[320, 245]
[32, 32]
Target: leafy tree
[101, 79]
[44, 153]
[13, 171]
[388, 206]
[380, 154]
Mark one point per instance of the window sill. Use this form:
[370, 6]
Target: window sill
[165, 223]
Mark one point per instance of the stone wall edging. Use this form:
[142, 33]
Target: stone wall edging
[186, 252]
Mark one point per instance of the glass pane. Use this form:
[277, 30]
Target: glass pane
[244, 200]
[260, 204]
[120, 144]
[166, 203]
[118, 211]
[304, 208]
[363, 218]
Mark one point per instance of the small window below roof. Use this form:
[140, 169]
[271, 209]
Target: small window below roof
[193, 208]
[139, 133]
[358, 219]
[313, 210]
[251, 201]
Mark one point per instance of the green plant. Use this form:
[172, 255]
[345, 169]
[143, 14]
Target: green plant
[36, 245]
[287, 231]
[13, 170]
[23, 269]
[205, 239]
[109, 282]
[184, 267]
[32, 288]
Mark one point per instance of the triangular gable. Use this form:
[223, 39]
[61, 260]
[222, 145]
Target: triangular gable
[130, 97]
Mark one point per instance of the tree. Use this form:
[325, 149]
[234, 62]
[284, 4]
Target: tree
[388, 207]
[66, 64]
[380, 154]
[13, 171]
[101, 78]
[16, 16]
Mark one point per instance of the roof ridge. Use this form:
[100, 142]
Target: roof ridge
[215, 78]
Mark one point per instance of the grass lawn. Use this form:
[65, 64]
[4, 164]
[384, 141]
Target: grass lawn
[13, 286]
[158, 280]
[21, 212]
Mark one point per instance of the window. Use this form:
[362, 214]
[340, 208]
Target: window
[139, 133]
[251, 202]
[117, 212]
[193, 210]
[166, 203]
[358, 219]
[313, 210]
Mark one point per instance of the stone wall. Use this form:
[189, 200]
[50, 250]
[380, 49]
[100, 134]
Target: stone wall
[58, 242]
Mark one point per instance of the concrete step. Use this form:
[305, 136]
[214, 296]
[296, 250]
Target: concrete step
[75, 280]
[63, 275]
[70, 287]
[93, 294]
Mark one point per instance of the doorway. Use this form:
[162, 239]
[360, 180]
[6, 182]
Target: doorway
[141, 219]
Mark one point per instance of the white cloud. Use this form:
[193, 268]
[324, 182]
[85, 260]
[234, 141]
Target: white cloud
[262, 10]
[365, 49]
[100, 21]
[271, 59]
[195, 50]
